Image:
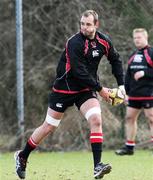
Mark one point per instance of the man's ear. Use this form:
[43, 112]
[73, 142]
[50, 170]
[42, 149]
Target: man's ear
[97, 24]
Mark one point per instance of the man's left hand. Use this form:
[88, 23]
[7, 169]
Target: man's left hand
[138, 75]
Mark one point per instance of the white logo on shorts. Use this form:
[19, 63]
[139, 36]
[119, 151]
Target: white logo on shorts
[59, 105]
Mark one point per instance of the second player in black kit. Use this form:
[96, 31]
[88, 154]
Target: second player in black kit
[139, 88]
[140, 60]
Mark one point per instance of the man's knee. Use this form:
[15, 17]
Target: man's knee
[93, 112]
[47, 128]
[93, 116]
[50, 124]
[130, 119]
[95, 121]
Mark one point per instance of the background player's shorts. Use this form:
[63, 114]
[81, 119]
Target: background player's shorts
[60, 102]
[138, 104]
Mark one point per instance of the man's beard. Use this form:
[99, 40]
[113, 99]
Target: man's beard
[88, 35]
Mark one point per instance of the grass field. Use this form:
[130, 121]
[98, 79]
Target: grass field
[78, 166]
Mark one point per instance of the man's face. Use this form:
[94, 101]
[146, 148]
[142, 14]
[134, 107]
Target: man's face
[88, 27]
[140, 39]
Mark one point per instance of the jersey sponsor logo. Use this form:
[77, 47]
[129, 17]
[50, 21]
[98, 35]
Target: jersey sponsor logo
[59, 105]
[95, 53]
[138, 67]
[138, 58]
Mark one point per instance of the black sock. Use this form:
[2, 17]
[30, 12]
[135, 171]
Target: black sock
[29, 147]
[130, 144]
[96, 150]
[130, 147]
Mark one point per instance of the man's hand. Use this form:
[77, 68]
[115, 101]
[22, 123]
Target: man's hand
[104, 93]
[122, 88]
[138, 75]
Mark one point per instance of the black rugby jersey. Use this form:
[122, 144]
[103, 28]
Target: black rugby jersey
[142, 89]
[77, 68]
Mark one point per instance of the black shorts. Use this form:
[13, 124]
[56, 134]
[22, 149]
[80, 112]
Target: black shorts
[60, 102]
[138, 104]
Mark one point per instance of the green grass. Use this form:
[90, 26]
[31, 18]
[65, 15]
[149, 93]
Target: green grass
[78, 166]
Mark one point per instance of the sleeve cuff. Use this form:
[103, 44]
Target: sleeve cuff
[98, 88]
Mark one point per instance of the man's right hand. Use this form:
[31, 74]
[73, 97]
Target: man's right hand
[104, 93]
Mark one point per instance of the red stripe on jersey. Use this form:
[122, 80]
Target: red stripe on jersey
[140, 98]
[96, 137]
[86, 47]
[68, 66]
[104, 43]
[32, 143]
[69, 92]
[148, 58]
[152, 139]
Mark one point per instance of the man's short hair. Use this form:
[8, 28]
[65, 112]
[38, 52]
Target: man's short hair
[91, 12]
[140, 30]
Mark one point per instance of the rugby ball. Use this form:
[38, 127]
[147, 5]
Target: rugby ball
[116, 96]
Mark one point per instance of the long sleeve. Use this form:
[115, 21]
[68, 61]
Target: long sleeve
[127, 80]
[149, 55]
[116, 63]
